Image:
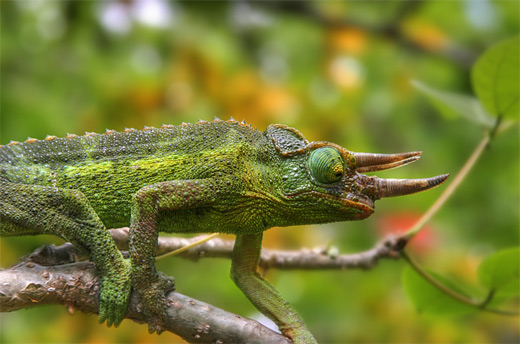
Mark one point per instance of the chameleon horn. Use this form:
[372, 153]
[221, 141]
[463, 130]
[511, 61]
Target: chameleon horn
[370, 162]
[399, 187]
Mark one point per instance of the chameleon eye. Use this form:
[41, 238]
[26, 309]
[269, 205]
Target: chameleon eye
[326, 165]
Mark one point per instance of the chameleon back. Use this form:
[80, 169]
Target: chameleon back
[109, 168]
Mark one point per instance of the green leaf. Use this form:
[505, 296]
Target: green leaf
[500, 272]
[496, 78]
[429, 299]
[454, 104]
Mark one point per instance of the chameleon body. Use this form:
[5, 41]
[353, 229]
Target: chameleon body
[220, 176]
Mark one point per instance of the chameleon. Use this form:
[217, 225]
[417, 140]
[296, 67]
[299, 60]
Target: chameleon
[206, 177]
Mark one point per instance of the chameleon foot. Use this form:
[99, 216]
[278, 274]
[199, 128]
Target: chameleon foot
[299, 334]
[153, 298]
[114, 296]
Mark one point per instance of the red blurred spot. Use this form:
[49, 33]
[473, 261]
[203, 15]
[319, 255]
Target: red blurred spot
[397, 224]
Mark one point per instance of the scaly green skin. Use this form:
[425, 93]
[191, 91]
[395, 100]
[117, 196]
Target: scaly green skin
[206, 177]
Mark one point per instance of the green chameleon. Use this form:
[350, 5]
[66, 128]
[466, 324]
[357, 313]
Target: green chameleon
[220, 176]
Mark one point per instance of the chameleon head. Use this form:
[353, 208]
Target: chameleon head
[336, 174]
[324, 182]
[335, 188]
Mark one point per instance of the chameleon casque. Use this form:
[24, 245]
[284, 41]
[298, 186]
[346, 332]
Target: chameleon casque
[220, 176]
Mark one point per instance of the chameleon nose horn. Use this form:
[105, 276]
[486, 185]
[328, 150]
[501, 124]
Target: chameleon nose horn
[370, 162]
[400, 187]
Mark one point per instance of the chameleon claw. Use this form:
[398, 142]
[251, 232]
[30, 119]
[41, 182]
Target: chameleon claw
[102, 316]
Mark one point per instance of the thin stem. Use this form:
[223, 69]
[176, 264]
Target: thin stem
[482, 305]
[187, 247]
[436, 283]
[488, 298]
[495, 127]
[449, 190]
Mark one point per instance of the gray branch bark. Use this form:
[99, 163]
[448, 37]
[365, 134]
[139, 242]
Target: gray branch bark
[75, 286]
[53, 275]
[304, 259]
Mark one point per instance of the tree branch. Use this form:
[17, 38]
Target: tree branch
[304, 259]
[53, 275]
[27, 285]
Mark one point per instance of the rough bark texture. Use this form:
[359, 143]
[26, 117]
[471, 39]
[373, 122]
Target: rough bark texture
[76, 286]
[53, 275]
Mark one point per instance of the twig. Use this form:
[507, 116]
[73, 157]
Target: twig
[187, 247]
[304, 259]
[433, 209]
[449, 190]
[482, 305]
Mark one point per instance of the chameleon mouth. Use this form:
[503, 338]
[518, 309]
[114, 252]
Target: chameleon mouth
[364, 204]
[361, 206]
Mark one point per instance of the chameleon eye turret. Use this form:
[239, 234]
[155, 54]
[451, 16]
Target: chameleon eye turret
[326, 165]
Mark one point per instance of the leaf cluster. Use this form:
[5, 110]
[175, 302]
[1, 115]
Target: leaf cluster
[495, 80]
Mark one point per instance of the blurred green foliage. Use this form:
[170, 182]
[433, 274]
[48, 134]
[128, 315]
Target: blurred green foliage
[501, 272]
[337, 71]
[495, 78]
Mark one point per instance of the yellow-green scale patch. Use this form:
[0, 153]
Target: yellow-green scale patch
[109, 185]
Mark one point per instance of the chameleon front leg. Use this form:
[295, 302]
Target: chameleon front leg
[32, 209]
[147, 203]
[244, 263]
